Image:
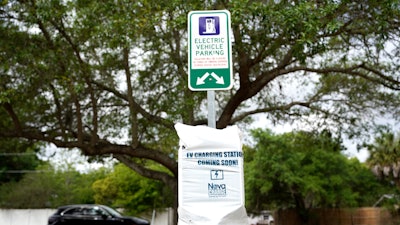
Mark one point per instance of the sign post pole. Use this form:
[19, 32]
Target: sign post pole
[211, 108]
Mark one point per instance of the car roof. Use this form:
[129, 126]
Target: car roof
[79, 205]
[60, 209]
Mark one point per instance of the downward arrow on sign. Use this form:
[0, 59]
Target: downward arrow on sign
[200, 80]
[218, 80]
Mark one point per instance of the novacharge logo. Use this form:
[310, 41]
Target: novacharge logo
[216, 190]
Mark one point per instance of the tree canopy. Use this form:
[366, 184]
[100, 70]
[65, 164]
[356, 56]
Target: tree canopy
[50, 188]
[384, 158]
[16, 158]
[306, 170]
[110, 77]
[123, 189]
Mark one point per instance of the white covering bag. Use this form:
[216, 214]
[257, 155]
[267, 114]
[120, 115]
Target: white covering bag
[210, 176]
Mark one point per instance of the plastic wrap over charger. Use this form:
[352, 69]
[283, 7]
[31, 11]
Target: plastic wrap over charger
[210, 176]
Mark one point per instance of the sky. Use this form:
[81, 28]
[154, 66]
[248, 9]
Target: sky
[62, 159]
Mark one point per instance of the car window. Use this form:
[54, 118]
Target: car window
[94, 211]
[73, 211]
[111, 211]
[59, 211]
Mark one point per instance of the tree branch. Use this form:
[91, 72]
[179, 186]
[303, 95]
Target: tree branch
[152, 174]
[131, 101]
[17, 124]
[140, 109]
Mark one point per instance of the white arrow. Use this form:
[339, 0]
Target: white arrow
[219, 80]
[200, 80]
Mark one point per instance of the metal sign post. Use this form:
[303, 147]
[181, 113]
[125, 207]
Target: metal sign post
[211, 108]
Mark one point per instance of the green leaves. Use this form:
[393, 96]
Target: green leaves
[6, 96]
[385, 156]
[304, 170]
[47, 187]
[124, 189]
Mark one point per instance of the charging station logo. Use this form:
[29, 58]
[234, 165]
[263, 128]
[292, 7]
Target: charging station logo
[217, 174]
[209, 25]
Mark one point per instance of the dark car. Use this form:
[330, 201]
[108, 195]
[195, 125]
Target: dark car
[89, 214]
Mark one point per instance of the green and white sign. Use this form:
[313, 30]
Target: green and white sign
[210, 56]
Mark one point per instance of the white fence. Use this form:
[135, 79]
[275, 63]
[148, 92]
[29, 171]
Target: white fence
[25, 216]
[40, 216]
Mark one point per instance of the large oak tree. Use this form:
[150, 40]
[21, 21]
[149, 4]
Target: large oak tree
[110, 77]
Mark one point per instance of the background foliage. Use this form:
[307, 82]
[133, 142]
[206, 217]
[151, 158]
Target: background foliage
[306, 170]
